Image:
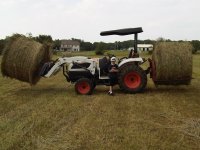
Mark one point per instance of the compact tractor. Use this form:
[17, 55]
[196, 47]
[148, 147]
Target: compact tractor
[86, 72]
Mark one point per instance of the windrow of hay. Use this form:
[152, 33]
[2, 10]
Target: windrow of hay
[23, 58]
[173, 62]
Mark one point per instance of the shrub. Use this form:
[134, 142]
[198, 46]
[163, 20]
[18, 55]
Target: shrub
[100, 49]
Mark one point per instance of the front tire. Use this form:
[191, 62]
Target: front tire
[132, 79]
[84, 86]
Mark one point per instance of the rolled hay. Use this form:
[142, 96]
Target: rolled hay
[173, 63]
[23, 58]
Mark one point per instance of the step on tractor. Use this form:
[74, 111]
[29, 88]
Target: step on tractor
[86, 72]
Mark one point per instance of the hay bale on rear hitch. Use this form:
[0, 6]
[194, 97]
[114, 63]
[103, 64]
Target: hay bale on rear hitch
[173, 63]
[23, 58]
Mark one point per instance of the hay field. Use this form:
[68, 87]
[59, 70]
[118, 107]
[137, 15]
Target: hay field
[51, 116]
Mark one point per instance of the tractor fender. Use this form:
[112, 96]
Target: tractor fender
[130, 60]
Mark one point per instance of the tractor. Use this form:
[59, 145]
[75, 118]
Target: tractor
[86, 72]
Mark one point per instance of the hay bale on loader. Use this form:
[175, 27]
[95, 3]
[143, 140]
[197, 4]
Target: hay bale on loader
[173, 63]
[23, 58]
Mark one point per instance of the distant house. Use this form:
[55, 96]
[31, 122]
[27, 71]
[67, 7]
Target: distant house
[70, 45]
[143, 47]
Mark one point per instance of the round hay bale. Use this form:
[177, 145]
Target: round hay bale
[23, 58]
[173, 63]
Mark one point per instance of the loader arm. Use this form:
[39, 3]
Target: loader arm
[69, 60]
[129, 60]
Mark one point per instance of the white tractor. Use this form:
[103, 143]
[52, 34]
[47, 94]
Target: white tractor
[86, 72]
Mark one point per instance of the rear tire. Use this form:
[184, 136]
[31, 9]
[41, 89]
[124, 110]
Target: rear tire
[84, 86]
[132, 79]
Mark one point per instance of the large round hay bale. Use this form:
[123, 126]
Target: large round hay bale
[173, 63]
[23, 58]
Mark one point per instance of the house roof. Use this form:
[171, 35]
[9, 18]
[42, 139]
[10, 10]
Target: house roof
[69, 42]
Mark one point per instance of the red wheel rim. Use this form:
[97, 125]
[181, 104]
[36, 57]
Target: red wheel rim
[132, 80]
[83, 87]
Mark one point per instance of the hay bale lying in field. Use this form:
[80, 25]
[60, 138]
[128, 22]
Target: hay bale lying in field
[173, 62]
[23, 58]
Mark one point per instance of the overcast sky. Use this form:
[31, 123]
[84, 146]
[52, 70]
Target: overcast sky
[85, 19]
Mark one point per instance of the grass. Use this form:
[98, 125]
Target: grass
[51, 116]
[118, 53]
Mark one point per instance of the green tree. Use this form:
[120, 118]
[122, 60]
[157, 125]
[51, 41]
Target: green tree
[148, 41]
[56, 44]
[44, 39]
[196, 45]
[110, 46]
[100, 48]
[86, 46]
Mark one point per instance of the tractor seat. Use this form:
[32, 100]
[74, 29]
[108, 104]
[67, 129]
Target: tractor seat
[103, 65]
[122, 31]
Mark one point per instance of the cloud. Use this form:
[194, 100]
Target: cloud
[174, 19]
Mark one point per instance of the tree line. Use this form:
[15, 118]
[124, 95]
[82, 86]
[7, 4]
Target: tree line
[98, 46]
